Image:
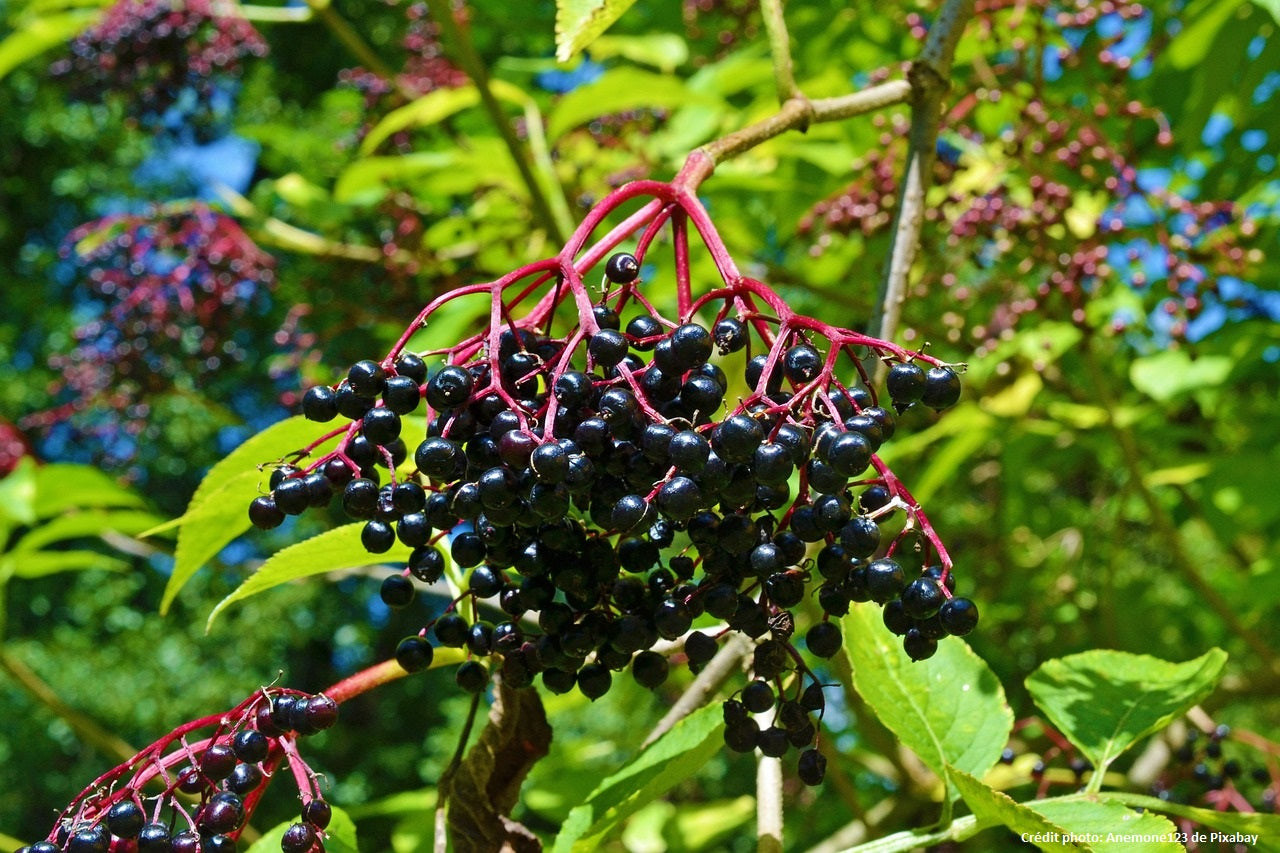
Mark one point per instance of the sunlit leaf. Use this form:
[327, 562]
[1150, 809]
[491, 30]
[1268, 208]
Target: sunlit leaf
[335, 549]
[579, 22]
[429, 109]
[37, 35]
[618, 90]
[949, 709]
[1104, 701]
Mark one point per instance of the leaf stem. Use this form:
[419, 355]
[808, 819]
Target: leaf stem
[929, 78]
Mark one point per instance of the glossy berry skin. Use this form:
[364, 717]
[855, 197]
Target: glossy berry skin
[318, 813]
[959, 616]
[757, 697]
[729, 335]
[679, 499]
[622, 268]
[320, 404]
[298, 838]
[125, 819]
[823, 639]
[885, 580]
[397, 591]
[941, 388]
[414, 654]
[154, 838]
[472, 677]
[649, 669]
[449, 388]
[918, 646]
[812, 768]
[922, 598]
[905, 382]
[700, 647]
[264, 514]
[594, 680]
[801, 363]
[250, 746]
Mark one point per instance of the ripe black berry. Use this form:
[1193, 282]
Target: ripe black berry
[94, 839]
[906, 382]
[397, 591]
[941, 388]
[320, 404]
[472, 676]
[622, 268]
[885, 580]
[922, 598]
[700, 647]
[918, 646]
[154, 838]
[812, 767]
[649, 669]
[245, 778]
[264, 514]
[298, 838]
[742, 735]
[736, 439]
[959, 616]
[594, 680]
[757, 697]
[679, 499]
[414, 654]
[823, 639]
[849, 454]
[249, 746]
[317, 813]
[377, 537]
[217, 762]
[801, 363]
[449, 388]
[125, 819]
[367, 378]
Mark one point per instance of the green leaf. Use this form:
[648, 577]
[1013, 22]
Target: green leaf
[1190, 47]
[339, 837]
[617, 90]
[429, 109]
[78, 525]
[218, 511]
[1172, 373]
[668, 761]
[1266, 827]
[1108, 826]
[40, 34]
[18, 495]
[38, 564]
[64, 486]
[335, 549]
[950, 709]
[664, 51]
[579, 22]
[995, 808]
[1103, 701]
[1272, 6]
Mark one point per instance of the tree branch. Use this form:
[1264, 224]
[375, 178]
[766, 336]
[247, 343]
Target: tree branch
[775, 26]
[929, 78]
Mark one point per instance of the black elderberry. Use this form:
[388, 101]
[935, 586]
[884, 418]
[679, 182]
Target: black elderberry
[849, 454]
[823, 639]
[507, 636]
[700, 648]
[264, 514]
[480, 638]
[649, 669]
[868, 428]
[906, 383]
[249, 746]
[594, 680]
[770, 659]
[485, 581]
[154, 838]
[885, 580]
[607, 347]
[360, 498]
[833, 600]
[350, 404]
[812, 698]
[812, 768]
[801, 363]
[874, 498]
[896, 618]
[742, 735]
[622, 268]
[959, 616]
[757, 697]
[298, 838]
[245, 778]
[922, 598]
[629, 512]
[472, 676]
[125, 819]
[411, 366]
[772, 464]
[321, 713]
[401, 395]
[397, 591]
[721, 601]
[449, 388]
[93, 839]
[736, 438]
[679, 499]
[755, 372]
[773, 742]
[785, 589]
[451, 630]
[320, 404]
[941, 388]
[860, 536]
[186, 842]
[50, 847]
[918, 646]
[220, 816]
[414, 653]
[217, 762]
[831, 512]
[467, 549]
[701, 395]
[377, 537]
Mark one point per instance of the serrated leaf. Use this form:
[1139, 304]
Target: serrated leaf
[64, 486]
[78, 525]
[1109, 827]
[1266, 827]
[38, 564]
[429, 109]
[995, 808]
[37, 35]
[330, 551]
[218, 511]
[579, 22]
[949, 709]
[1104, 701]
[671, 759]
[618, 90]
[339, 836]
[486, 785]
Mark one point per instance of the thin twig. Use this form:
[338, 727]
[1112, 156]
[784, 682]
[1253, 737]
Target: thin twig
[929, 78]
[446, 778]
[458, 38]
[715, 673]
[768, 796]
[351, 39]
[775, 26]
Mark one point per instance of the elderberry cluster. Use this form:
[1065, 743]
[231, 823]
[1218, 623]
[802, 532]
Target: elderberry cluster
[601, 481]
[182, 795]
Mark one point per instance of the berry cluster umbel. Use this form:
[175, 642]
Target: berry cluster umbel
[608, 474]
[193, 790]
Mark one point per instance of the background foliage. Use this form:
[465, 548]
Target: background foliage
[1101, 249]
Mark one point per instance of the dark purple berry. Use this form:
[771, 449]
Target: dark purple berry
[622, 268]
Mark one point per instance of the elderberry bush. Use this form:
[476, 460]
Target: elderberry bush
[193, 790]
[606, 474]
